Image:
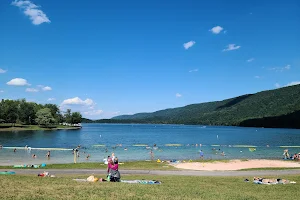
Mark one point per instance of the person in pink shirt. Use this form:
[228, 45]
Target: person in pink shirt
[113, 171]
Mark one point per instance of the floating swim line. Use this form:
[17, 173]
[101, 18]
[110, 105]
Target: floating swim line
[215, 145]
[48, 149]
[99, 145]
[289, 146]
[244, 146]
[140, 145]
[173, 145]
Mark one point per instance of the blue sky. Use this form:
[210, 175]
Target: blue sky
[118, 57]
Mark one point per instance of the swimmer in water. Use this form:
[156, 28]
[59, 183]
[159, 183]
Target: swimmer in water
[15, 150]
[125, 149]
[33, 156]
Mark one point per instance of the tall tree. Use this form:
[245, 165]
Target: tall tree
[10, 111]
[26, 112]
[54, 110]
[44, 117]
[68, 116]
[76, 117]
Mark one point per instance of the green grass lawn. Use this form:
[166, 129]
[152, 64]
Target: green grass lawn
[143, 165]
[172, 187]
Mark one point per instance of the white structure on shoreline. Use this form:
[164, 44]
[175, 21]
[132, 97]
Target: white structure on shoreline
[68, 124]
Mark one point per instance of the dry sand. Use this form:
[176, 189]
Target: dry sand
[237, 165]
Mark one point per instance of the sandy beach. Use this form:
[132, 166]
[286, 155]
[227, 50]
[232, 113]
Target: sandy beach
[237, 165]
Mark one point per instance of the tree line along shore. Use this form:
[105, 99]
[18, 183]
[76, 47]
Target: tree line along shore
[23, 115]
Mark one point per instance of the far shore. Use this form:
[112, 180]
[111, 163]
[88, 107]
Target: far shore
[38, 128]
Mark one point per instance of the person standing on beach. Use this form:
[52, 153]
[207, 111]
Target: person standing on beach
[113, 157]
[48, 155]
[152, 155]
[15, 150]
[201, 154]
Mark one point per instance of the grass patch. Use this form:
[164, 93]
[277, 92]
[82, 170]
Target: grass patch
[142, 165]
[172, 187]
[269, 168]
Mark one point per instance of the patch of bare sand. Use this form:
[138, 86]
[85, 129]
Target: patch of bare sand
[237, 165]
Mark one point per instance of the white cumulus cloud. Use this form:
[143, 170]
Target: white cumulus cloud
[31, 90]
[93, 112]
[257, 77]
[1, 91]
[18, 82]
[77, 101]
[250, 60]
[189, 44]
[36, 15]
[293, 83]
[51, 99]
[231, 47]
[277, 85]
[47, 88]
[193, 70]
[178, 95]
[216, 29]
[2, 71]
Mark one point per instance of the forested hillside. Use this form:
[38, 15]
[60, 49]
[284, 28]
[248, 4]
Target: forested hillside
[260, 109]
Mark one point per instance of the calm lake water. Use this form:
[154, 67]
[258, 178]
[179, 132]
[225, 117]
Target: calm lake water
[223, 138]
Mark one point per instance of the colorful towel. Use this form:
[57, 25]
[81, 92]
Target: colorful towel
[151, 182]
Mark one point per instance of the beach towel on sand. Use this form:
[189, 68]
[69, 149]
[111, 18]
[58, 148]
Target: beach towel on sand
[273, 183]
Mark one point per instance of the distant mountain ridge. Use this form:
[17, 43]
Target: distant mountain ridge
[260, 109]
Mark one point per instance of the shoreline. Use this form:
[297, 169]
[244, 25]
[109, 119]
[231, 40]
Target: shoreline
[37, 128]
